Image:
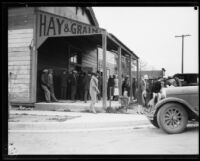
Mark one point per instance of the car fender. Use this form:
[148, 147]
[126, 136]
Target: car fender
[174, 100]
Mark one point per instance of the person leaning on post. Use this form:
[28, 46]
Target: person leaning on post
[51, 85]
[44, 85]
[93, 91]
[143, 93]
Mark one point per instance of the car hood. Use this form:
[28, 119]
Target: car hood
[181, 90]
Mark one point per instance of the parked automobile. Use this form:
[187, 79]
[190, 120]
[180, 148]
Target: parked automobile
[172, 113]
[188, 79]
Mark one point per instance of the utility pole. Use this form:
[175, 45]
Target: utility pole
[183, 36]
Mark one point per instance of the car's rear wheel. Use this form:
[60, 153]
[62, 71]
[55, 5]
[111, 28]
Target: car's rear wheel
[172, 118]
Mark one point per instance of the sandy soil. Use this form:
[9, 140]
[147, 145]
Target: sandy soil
[138, 140]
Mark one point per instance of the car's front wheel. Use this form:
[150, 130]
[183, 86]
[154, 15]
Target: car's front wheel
[154, 122]
[172, 118]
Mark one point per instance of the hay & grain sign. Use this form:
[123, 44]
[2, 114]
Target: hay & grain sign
[50, 25]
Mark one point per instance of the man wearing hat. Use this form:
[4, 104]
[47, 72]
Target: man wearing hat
[73, 85]
[142, 93]
[51, 85]
[44, 85]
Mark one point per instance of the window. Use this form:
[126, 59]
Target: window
[73, 59]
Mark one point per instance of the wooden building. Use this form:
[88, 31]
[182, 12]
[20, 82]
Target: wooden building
[152, 74]
[61, 38]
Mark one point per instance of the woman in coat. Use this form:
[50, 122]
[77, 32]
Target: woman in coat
[93, 91]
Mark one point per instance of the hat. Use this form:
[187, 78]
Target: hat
[45, 70]
[146, 77]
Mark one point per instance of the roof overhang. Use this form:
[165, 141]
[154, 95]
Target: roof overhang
[54, 26]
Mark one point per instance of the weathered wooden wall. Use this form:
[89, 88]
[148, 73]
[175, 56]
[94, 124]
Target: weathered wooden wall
[89, 59]
[20, 36]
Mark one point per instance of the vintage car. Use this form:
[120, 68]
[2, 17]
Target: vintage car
[172, 113]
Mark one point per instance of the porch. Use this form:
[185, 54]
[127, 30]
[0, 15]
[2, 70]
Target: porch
[78, 106]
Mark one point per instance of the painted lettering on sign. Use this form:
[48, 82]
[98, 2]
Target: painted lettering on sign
[50, 25]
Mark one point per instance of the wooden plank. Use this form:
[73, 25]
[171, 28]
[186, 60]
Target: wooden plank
[89, 59]
[120, 71]
[20, 35]
[27, 71]
[104, 45]
[34, 63]
[88, 62]
[19, 45]
[130, 76]
[137, 73]
[21, 67]
[22, 31]
[18, 54]
[23, 76]
[19, 58]
[19, 63]
[18, 49]
[22, 81]
[21, 90]
[19, 40]
[22, 20]
[20, 11]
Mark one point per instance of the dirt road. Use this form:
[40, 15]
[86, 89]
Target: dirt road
[134, 140]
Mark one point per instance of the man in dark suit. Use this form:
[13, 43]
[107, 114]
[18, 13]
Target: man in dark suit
[86, 86]
[45, 86]
[51, 85]
[64, 83]
[73, 85]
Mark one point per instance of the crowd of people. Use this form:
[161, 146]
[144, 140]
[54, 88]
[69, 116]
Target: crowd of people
[151, 91]
[86, 86]
[75, 86]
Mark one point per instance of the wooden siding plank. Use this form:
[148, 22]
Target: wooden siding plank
[20, 11]
[19, 35]
[16, 67]
[19, 63]
[22, 81]
[27, 71]
[19, 54]
[19, 58]
[19, 40]
[19, 44]
[22, 31]
[18, 49]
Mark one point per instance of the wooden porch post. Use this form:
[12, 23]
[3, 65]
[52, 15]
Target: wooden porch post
[34, 56]
[104, 46]
[120, 70]
[137, 73]
[130, 73]
[97, 59]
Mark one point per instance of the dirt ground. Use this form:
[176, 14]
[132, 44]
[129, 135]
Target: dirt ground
[137, 140]
[38, 118]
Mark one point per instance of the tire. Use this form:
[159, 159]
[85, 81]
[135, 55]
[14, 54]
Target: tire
[172, 118]
[154, 122]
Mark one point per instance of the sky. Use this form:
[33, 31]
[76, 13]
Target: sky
[150, 33]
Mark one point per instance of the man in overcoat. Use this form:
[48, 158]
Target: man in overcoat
[45, 86]
[73, 80]
[51, 85]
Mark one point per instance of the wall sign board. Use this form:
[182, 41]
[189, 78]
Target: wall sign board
[50, 25]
